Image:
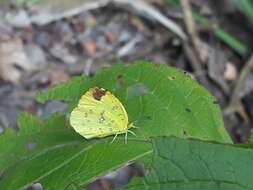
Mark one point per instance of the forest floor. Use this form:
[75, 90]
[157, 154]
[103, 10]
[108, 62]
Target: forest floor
[43, 43]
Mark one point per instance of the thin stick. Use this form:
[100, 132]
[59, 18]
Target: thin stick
[235, 103]
[145, 8]
[191, 27]
[126, 138]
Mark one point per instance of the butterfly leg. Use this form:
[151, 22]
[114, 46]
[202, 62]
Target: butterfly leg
[131, 132]
[114, 138]
[126, 137]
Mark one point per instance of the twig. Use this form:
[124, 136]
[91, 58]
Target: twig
[48, 17]
[235, 102]
[196, 65]
[140, 6]
[129, 46]
[144, 8]
[193, 54]
[191, 28]
[224, 36]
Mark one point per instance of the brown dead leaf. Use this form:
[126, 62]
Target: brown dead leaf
[61, 52]
[112, 37]
[58, 76]
[90, 47]
[13, 59]
[216, 68]
[135, 21]
[78, 25]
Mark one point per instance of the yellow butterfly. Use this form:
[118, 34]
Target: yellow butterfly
[99, 114]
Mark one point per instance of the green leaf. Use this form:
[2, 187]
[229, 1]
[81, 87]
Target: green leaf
[34, 136]
[250, 140]
[69, 91]
[160, 100]
[194, 165]
[227, 38]
[247, 8]
[60, 158]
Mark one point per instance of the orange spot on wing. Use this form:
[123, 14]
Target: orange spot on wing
[98, 93]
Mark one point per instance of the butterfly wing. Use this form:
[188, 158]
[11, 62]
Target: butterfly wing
[98, 114]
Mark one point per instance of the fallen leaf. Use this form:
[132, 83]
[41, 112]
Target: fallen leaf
[90, 47]
[230, 73]
[60, 52]
[58, 76]
[18, 19]
[247, 86]
[112, 38]
[216, 68]
[36, 54]
[13, 59]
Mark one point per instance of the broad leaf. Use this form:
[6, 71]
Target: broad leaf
[160, 100]
[194, 165]
[68, 91]
[34, 135]
[60, 158]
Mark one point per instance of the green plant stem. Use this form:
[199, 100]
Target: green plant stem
[224, 36]
[247, 8]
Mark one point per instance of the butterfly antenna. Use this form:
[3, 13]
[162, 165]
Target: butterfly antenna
[114, 138]
[131, 125]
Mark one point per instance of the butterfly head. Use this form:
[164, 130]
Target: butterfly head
[130, 125]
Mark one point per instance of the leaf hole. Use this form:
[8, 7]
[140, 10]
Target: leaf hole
[184, 133]
[120, 82]
[171, 77]
[137, 90]
[215, 102]
[31, 146]
[188, 110]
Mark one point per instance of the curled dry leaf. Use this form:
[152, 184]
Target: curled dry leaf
[90, 47]
[58, 75]
[216, 68]
[18, 19]
[62, 53]
[247, 86]
[230, 73]
[13, 59]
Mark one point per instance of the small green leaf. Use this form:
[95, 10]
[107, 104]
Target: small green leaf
[68, 91]
[194, 165]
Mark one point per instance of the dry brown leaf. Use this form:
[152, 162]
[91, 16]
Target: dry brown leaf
[90, 47]
[58, 76]
[216, 68]
[61, 52]
[112, 37]
[13, 59]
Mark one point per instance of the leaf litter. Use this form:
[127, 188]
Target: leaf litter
[48, 42]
